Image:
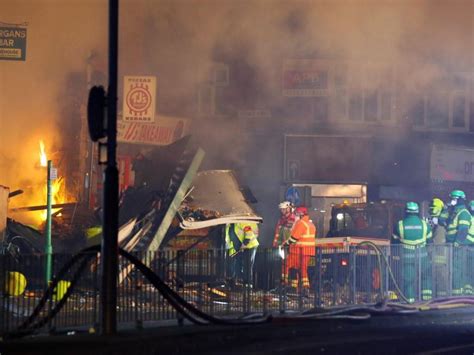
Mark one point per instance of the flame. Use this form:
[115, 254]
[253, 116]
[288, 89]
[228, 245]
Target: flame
[34, 184]
[43, 157]
[57, 196]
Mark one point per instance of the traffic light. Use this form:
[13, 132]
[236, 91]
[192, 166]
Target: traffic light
[96, 114]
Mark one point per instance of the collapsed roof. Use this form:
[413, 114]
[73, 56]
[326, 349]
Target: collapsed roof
[168, 187]
[215, 199]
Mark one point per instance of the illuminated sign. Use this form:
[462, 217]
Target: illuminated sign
[12, 43]
[164, 131]
[305, 78]
[452, 163]
[139, 94]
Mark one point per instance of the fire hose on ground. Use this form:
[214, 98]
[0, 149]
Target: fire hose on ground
[196, 316]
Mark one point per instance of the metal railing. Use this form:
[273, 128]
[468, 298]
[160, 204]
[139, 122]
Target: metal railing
[304, 279]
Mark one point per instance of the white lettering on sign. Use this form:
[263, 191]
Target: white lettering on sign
[164, 131]
[13, 33]
[7, 42]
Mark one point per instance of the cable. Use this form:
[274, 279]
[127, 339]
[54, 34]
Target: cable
[183, 307]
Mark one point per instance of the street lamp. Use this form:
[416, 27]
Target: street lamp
[48, 248]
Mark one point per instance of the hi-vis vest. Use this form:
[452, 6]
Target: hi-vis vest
[303, 233]
[241, 235]
[413, 235]
[453, 224]
[470, 236]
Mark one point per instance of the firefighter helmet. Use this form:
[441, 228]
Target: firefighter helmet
[301, 210]
[284, 205]
[412, 207]
[436, 206]
[456, 194]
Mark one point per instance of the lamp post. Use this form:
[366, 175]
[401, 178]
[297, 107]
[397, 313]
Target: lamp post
[48, 248]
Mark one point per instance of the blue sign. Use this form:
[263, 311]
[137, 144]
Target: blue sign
[292, 195]
[12, 43]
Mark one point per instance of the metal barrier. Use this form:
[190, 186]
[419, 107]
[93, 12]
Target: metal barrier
[304, 279]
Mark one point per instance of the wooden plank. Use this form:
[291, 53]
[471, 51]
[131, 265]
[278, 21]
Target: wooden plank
[4, 192]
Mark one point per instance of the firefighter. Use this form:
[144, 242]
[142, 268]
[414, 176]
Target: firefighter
[457, 233]
[241, 243]
[285, 223]
[438, 216]
[413, 233]
[302, 248]
[438, 220]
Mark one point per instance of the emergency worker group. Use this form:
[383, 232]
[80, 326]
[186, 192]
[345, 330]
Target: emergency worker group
[449, 224]
[444, 268]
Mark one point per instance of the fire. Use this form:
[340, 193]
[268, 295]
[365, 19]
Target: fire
[43, 157]
[57, 195]
[24, 207]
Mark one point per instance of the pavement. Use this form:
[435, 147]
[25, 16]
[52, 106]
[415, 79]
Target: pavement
[449, 331]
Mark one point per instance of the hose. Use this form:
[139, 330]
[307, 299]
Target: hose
[387, 264]
[183, 307]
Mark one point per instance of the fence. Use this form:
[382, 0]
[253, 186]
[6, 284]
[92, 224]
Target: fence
[219, 285]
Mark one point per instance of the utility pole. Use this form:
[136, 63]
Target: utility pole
[109, 251]
[48, 248]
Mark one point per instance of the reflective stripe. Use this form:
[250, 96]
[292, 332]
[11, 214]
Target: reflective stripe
[307, 244]
[414, 242]
[470, 238]
[306, 239]
[401, 230]
[419, 242]
[292, 240]
[413, 227]
[453, 226]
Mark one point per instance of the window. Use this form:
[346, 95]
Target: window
[220, 74]
[320, 109]
[416, 113]
[437, 115]
[459, 111]
[386, 106]
[355, 107]
[371, 107]
[340, 104]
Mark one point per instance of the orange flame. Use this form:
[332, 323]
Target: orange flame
[57, 195]
[43, 157]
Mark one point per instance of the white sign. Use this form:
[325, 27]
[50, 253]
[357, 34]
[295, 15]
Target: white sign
[452, 163]
[139, 97]
[164, 131]
[53, 174]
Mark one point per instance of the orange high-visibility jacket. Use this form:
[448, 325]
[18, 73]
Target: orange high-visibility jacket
[303, 233]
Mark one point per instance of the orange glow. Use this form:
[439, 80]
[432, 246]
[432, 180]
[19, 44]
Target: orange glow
[43, 157]
[58, 195]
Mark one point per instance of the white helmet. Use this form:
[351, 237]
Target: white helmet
[284, 204]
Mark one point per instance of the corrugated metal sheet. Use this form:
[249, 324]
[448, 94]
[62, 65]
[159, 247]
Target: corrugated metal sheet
[217, 191]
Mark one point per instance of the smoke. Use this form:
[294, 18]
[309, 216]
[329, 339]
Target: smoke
[60, 36]
[418, 42]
